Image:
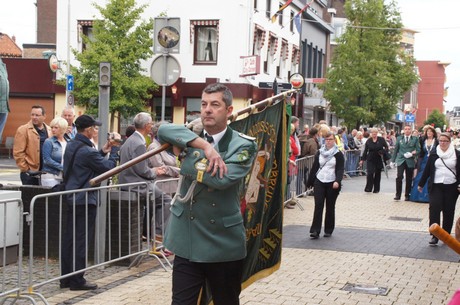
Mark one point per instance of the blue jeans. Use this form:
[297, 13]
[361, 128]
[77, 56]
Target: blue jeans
[3, 117]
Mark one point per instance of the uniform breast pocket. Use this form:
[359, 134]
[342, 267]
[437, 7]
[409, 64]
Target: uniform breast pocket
[177, 210]
[231, 221]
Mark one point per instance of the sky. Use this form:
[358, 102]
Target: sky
[437, 22]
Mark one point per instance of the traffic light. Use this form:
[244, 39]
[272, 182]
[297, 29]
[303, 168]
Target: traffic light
[104, 74]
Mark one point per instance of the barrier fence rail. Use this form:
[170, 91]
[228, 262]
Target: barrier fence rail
[11, 214]
[297, 179]
[298, 173]
[118, 235]
[352, 166]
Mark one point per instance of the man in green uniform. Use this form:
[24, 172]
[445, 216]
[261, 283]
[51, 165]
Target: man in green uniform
[206, 230]
[406, 151]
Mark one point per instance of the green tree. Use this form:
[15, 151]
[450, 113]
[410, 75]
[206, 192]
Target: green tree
[123, 40]
[369, 72]
[436, 119]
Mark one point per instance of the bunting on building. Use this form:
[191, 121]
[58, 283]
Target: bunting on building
[194, 23]
[272, 43]
[280, 10]
[298, 17]
[259, 37]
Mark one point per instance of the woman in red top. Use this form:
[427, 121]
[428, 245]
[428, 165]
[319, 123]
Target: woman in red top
[293, 152]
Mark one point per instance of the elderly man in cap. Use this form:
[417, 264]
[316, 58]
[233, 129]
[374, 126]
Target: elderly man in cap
[82, 162]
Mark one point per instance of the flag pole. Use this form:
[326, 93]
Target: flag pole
[250, 109]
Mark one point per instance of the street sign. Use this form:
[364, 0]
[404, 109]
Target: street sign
[269, 85]
[53, 63]
[297, 80]
[315, 80]
[166, 35]
[70, 83]
[165, 70]
[70, 100]
[410, 118]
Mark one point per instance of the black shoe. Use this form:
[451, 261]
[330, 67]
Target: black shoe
[375, 192]
[407, 198]
[327, 234]
[397, 198]
[434, 241]
[64, 285]
[367, 191]
[314, 235]
[85, 286]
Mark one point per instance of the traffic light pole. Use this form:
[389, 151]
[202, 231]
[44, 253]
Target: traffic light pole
[103, 113]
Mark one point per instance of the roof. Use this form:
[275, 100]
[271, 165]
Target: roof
[8, 47]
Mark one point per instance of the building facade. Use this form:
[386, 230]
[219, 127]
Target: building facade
[218, 40]
[431, 89]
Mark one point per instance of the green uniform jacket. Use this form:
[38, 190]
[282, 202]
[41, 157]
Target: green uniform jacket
[401, 148]
[208, 226]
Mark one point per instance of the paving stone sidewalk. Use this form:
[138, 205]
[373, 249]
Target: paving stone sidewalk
[378, 243]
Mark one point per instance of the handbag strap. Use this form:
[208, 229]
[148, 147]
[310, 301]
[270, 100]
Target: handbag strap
[321, 167]
[66, 176]
[449, 168]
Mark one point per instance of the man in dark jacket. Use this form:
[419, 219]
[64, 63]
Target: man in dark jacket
[82, 162]
[309, 146]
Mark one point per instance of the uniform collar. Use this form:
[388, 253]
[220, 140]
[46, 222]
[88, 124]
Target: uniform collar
[217, 137]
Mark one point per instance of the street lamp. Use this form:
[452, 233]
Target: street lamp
[174, 91]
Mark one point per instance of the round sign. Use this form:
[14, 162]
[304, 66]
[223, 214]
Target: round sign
[165, 70]
[297, 80]
[70, 99]
[168, 37]
[53, 63]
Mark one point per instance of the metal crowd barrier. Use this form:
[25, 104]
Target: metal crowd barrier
[297, 179]
[118, 236]
[352, 167]
[157, 249]
[11, 214]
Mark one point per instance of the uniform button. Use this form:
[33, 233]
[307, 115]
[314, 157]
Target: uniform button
[192, 217]
[193, 201]
[213, 204]
[212, 221]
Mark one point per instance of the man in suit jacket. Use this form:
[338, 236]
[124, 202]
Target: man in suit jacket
[135, 146]
[406, 151]
[206, 230]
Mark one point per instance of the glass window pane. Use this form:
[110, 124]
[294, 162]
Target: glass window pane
[206, 44]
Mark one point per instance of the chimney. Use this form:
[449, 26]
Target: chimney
[13, 38]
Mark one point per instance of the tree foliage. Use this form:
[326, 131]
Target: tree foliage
[123, 40]
[436, 119]
[369, 72]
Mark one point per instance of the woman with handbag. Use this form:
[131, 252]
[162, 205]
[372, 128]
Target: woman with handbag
[374, 153]
[442, 169]
[53, 150]
[326, 178]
